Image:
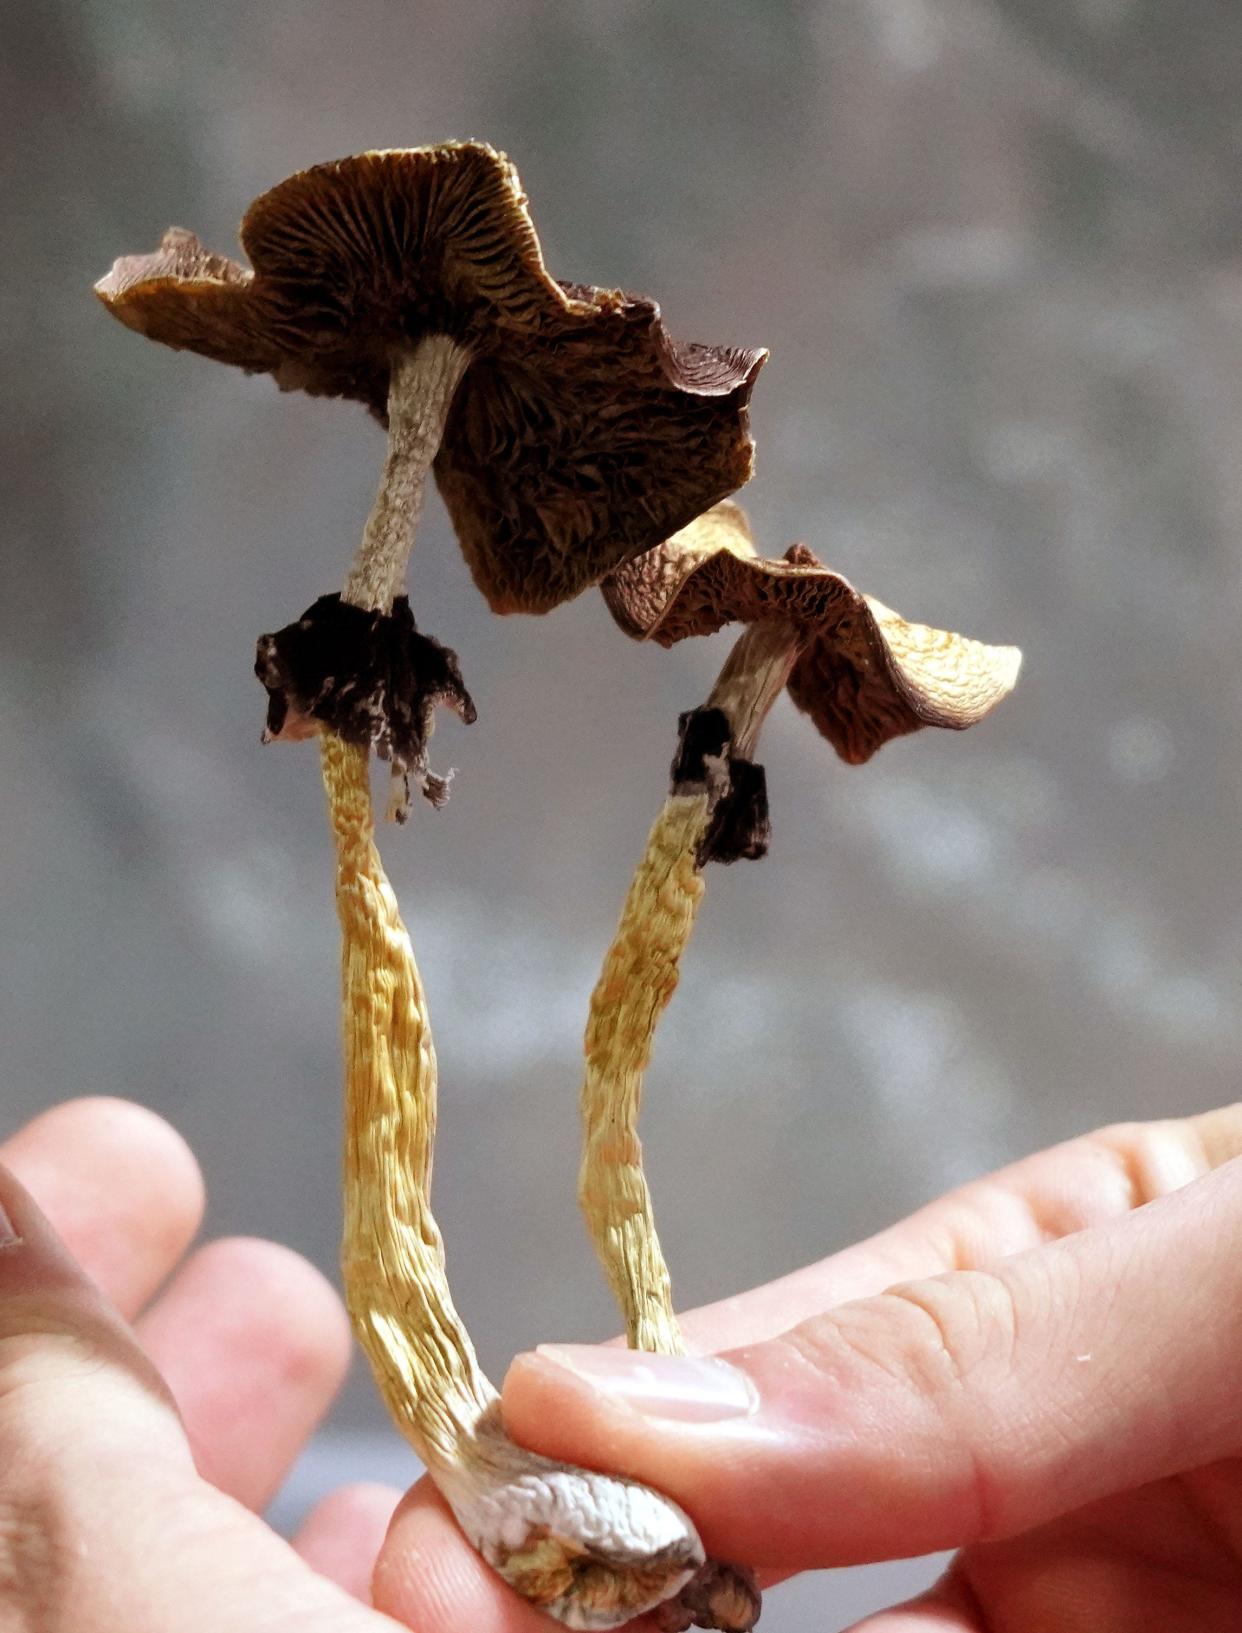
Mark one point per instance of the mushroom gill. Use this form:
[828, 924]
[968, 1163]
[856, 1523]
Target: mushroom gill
[567, 430]
[863, 673]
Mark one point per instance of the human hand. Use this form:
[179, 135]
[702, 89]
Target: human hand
[1086, 1455]
[1052, 1383]
[121, 1512]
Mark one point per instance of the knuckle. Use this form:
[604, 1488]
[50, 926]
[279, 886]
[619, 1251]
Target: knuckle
[39, 1358]
[955, 1328]
[46, 1379]
[1151, 1160]
[937, 1335]
[1218, 1134]
[932, 1360]
[62, 1381]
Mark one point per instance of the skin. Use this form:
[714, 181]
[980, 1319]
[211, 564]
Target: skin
[1040, 1370]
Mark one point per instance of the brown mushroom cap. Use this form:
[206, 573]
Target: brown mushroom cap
[864, 675]
[581, 433]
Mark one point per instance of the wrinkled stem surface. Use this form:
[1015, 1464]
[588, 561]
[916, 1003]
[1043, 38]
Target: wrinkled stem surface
[420, 391]
[393, 1257]
[590, 1550]
[639, 977]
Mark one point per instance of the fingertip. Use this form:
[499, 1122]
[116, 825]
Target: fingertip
[429, 1577]
[120, 1185]
[549, 1407]
[255, 1344]
[734, 1495]
[532, 1396]
[291, 1312]
[246, 1299]
[341, 1537]
[115, 1131]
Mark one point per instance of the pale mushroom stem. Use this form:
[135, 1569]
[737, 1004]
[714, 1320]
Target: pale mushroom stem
[639, 976]
[753, 677]
[590, 1550]
[420, 392]
[392, 1257]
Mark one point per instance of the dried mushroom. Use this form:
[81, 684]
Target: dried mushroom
[862, 673]
[568, 432]
[713, 811]
[589, 1549]
[574, 442]
[642, 967]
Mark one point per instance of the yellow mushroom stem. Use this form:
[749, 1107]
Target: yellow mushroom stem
[421, 386]
[590, 1550]
[639, 977]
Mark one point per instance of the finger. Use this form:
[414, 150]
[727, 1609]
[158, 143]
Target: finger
[922, 1616]
[100, 1508]
[947, 1607]
[430, 1578]
[120, 1187]
[1067, 1188]
[949, 1410]
[341, 1536]
[1063, 1190]
[74, 1386]
[254, 1344]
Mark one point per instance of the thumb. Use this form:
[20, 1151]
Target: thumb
[945, 1411]
[75, 1388]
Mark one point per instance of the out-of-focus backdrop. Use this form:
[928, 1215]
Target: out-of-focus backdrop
[994, 247]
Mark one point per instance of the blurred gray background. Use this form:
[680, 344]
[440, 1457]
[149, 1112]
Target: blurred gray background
[994, 247]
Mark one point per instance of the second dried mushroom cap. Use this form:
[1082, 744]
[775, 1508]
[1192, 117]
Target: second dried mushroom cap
[863, 673]
[581, 434]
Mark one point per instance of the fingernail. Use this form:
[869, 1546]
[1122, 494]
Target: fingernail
[9, 1234]
[677, 1388]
